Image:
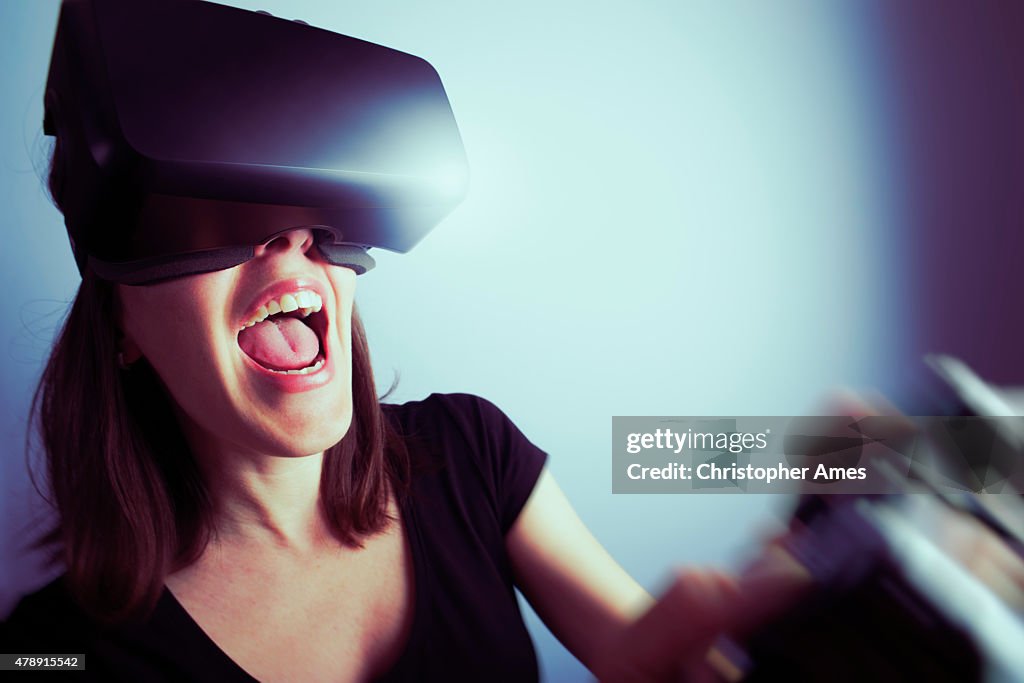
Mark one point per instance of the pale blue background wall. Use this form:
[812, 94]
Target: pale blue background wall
[675, 208]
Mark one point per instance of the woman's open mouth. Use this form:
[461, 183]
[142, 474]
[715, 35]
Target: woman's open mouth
[285, 335]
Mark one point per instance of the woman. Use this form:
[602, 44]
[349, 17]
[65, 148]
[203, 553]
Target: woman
[240, 532]
[234, 502]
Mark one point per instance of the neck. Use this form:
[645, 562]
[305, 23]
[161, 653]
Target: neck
[258, 498]
[266, 499]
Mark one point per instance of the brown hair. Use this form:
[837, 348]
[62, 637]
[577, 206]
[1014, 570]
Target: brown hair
[131, 505]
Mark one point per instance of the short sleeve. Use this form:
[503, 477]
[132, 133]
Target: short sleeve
[506, 464]
[517, 462]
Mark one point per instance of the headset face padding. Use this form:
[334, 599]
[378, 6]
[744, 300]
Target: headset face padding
[161, 268]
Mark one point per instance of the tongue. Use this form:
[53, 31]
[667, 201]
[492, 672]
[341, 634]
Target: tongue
[280, 344]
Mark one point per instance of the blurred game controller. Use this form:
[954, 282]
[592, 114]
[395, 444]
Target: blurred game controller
[925, 583]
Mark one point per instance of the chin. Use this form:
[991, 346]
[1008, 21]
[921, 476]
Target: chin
[314, 437]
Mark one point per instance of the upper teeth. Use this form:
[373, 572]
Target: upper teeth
[305, 302]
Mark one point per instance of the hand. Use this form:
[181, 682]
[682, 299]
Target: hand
[672, 640]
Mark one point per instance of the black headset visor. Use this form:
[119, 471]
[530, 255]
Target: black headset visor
[190, 132]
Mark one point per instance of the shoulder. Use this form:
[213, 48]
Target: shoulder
[163, 647]
[472, 448]
[446, 410]
[48, 618]
[466, 422]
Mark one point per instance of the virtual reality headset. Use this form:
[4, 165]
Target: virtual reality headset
[190, 132]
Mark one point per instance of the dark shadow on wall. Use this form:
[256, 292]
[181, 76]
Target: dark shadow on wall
[955, 94]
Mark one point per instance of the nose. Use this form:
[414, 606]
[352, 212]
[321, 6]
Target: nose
[299, 240]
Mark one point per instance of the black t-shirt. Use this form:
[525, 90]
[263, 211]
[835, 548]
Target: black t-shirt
[473, 471]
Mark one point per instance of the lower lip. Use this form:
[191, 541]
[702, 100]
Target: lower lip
[293, 384]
